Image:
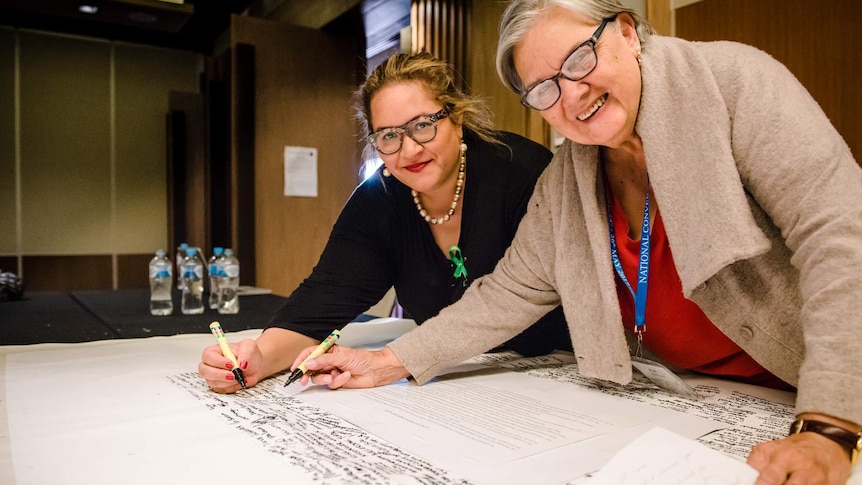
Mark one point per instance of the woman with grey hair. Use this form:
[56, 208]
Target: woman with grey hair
[702, 209]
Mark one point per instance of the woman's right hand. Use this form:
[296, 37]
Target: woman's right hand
[217, 369]
[351, 368]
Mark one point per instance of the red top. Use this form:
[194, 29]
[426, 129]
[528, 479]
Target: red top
[676, 328]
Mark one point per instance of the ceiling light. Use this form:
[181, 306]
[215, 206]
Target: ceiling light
[91, 9]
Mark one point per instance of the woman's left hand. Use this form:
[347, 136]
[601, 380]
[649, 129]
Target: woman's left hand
[804, 458]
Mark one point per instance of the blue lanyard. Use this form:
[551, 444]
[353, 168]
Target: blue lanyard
[643, 264]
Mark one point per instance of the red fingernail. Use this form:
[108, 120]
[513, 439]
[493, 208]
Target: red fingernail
[245, 365]
[229, 377]
[229, 366]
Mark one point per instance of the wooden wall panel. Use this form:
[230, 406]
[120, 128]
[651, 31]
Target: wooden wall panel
[818, 41]
[186, 161]
[133, 270]
[175, 135]
[9, 264]
[218, 187]
[67, 273]
[242, 227]
[88, 137]
[144, 77]
[65, 145]
[8, 189]
[481, 74]
[441, 27]
[660, 15]
[303, 98]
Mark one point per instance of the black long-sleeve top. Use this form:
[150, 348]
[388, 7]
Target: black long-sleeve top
[380, 241]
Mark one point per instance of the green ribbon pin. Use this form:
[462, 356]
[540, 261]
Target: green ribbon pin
[458, 260]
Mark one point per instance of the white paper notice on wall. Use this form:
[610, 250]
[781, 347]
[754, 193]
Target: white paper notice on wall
[300, 171]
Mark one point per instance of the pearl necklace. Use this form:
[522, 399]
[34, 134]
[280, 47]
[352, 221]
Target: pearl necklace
[459, 185]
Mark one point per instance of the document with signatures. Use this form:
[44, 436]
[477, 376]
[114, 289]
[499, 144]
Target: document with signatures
[136, 411]
[492, 423]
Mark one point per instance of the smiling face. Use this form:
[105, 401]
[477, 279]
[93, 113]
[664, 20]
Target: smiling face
[601, 108]
[430, 168]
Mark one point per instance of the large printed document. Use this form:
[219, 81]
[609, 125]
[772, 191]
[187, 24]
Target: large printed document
[495, 426]
[748, 414]
[135, 411]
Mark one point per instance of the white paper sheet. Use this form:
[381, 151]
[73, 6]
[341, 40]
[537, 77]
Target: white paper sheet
[300, 171]
[107, 414]
[376, 333]
[659, 457]
[135, 411]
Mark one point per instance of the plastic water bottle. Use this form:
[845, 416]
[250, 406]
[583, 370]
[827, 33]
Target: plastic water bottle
[181, 254]
[161, 280]
[229, 284]
[193, 283]
[215, 273]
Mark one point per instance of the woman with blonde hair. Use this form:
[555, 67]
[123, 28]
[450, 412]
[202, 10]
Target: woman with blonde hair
[438, 214]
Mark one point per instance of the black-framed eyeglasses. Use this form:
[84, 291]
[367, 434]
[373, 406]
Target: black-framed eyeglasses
[421, 129]
[578, 65]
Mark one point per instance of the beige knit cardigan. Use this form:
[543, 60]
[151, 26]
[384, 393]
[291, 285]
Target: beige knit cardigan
[762, 203]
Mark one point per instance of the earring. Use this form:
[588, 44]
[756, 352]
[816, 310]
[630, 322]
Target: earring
[386, 172]
[638, 54]
[463, 148]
